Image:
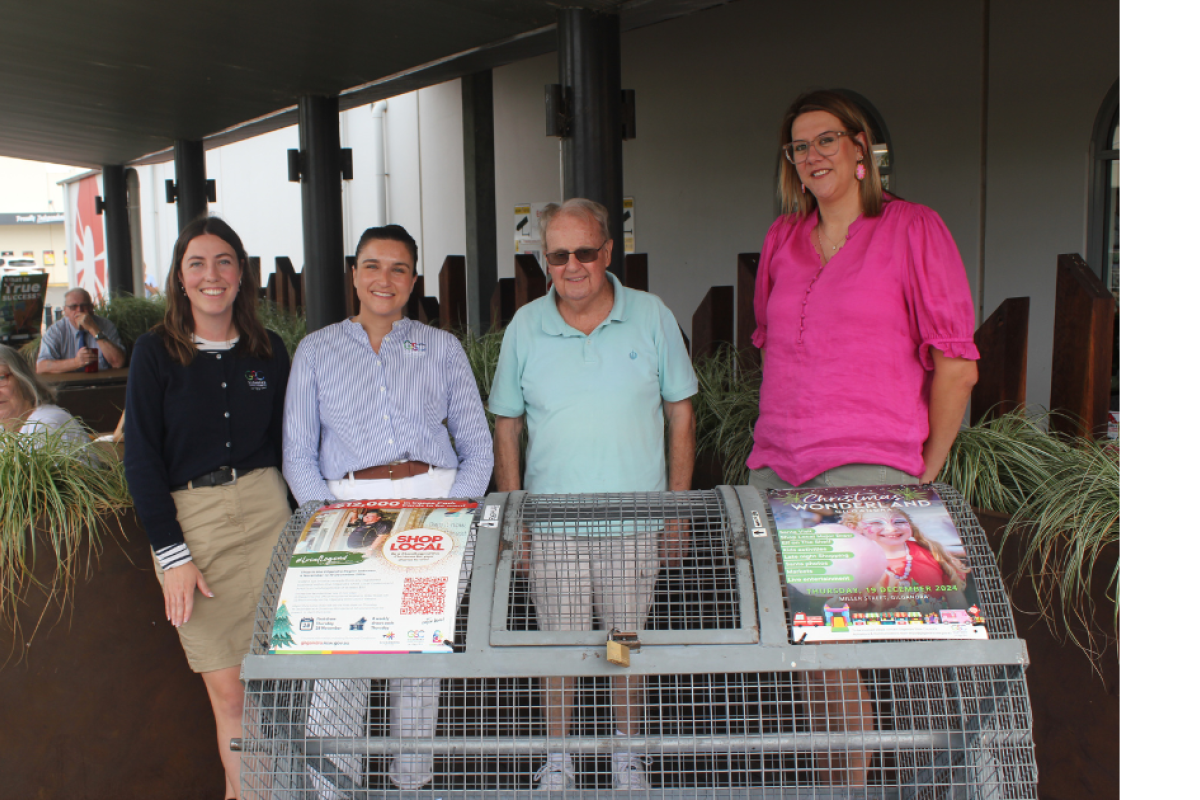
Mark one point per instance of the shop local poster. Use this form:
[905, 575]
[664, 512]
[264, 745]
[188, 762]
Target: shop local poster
[374, 576]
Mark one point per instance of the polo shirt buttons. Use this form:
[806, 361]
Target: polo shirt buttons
[229, 444]
[226, 415]
[222, 384]
[218, 356]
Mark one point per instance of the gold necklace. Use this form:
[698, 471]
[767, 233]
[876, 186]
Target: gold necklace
[832, 248]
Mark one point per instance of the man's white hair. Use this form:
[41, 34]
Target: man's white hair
[579, 207]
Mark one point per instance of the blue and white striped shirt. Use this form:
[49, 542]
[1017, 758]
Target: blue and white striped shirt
[349, 408]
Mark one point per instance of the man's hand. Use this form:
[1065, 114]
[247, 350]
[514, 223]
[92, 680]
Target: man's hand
[85, 356]
[179, 589]
[675, 542]
[88, 323]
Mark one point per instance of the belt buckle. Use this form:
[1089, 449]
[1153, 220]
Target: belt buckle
[233, 476]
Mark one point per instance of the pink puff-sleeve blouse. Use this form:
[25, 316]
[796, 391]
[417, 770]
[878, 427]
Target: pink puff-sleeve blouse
[846, 362]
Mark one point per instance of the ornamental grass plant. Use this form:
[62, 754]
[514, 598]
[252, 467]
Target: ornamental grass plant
[57, 498]
[1063, 495]
[726, 408]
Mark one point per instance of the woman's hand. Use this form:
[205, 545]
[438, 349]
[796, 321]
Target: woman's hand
[179, 588]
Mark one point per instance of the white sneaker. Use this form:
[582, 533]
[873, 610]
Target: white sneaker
[411, 771]
[558, 773]
[629, 772]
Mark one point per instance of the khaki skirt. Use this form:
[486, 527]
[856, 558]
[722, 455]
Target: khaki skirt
[231, 532]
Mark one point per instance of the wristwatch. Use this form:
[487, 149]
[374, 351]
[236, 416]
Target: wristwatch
[100, 337]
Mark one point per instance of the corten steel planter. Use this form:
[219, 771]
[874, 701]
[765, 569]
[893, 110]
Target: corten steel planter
[99, 703]
[1076, 713]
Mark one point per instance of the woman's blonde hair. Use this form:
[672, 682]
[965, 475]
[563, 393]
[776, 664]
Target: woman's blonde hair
[870, 189]
[955, 570]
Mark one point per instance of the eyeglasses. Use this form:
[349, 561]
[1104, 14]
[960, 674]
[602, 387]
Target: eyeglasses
[827, 144]
[4, 378]
[584, 255]
[79, 306]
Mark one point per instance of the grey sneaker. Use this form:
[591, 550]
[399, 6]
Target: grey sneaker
[558, 773]
[411, 771]
[629, 772]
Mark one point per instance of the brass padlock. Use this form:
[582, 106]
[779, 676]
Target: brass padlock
[620, 645]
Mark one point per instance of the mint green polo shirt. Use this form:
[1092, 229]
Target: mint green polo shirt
[593, 405]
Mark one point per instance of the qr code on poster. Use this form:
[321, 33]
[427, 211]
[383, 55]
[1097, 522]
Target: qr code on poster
[423, 596]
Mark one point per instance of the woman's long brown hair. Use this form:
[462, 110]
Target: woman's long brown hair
[177, 326]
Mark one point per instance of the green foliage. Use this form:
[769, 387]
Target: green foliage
[1064, 495]
[30, 349]
[288, 324]
[133, 316]
[726, 408]
[483, 354]
[65, 491]
[1000, 463]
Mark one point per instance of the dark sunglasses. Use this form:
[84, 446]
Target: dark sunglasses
[585, 255]
[74, 306]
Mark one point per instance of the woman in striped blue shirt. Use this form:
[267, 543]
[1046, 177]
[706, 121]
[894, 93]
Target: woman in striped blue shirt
[371, 405]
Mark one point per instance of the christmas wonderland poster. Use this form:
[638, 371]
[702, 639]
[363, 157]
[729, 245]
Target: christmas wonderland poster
[874, 562]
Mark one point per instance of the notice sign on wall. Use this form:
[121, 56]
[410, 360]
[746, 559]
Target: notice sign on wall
[374, 576]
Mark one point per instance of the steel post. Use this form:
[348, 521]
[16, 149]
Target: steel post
[589, 68]
[118, 242]
[321, 208]
[479, 171]
[191, 181]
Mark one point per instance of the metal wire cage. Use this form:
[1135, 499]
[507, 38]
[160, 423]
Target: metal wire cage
[716, 702]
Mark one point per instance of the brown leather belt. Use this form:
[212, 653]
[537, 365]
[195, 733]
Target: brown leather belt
[394, 472]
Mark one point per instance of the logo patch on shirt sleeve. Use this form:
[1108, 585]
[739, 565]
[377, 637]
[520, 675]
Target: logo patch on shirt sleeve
[256, 379]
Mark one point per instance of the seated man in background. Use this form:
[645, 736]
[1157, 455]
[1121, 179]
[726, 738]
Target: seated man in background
[80, 338]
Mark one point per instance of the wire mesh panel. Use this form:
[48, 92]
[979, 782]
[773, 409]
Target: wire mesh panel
[719, 705]
[662, 561]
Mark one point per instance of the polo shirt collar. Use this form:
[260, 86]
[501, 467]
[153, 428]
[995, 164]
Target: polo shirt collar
[555, 325]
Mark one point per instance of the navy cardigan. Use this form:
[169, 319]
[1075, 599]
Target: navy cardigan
[225, 409]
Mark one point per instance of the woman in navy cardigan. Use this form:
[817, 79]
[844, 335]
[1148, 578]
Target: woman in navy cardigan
[203, 440]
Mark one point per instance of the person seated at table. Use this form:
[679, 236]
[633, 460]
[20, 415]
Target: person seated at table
[80, 338]
[27, 402]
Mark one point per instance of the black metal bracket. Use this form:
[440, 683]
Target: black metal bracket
[99, 204]
[295, 165]
[210, 190]
[347, 164]
[558, 110]
[172, 191]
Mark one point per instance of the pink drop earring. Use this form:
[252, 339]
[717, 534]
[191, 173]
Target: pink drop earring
[860, 171]
[802, 188]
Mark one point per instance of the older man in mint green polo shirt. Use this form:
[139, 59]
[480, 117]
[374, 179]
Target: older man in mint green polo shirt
[595, 369]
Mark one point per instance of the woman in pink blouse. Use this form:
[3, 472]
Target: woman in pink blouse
[866, 325]
[865, 318]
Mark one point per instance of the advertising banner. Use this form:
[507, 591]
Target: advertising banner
[22, 298]
[874, 562]
[374, 576]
